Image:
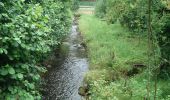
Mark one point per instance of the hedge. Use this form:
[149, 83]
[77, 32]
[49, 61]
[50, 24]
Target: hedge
[29, 30]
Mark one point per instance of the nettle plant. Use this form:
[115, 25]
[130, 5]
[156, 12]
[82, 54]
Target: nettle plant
[28, 31]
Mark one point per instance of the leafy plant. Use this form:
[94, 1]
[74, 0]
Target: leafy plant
[29, 31]
[75, 5]
[100, 8]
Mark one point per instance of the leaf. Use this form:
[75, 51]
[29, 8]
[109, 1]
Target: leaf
[5, 51]
[3, 72]
[1, 4]
[20, 76]
[11, 70]
[15, 44]
[18, 40]
[10, 88]
[22, 0]
[5, 15]
[24, 66]
[33, 26]
[31, 86]
[11, 58]
[37, 77]
[28, 18]
[1, 50]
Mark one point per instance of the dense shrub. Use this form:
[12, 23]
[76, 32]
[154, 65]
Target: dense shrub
[75, 5]
[28, 31]
[100, 8]
[135, 16]
[164, 43]
[114, 9]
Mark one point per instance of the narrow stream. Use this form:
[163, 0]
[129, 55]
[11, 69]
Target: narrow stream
[63, 80]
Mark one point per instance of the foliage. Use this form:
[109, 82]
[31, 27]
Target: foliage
[29, 30]
[87, 3]
[133, 14]
[75, 5]
[112, 53]
[164, 43]
[113, 15]
[100, 8]
[134, 90]
[135, 17]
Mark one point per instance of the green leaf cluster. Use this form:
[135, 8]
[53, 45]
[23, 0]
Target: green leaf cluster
[75, 5]
[29, 30]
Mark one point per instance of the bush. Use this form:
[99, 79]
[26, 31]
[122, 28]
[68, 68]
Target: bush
[100, 8]
[75, 5]
[164, 44]
[135, 16]
[29, 30]
[114, 10]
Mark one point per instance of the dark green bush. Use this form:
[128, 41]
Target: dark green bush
[100, 8]
[114, 10]
[75, 5]
[28, 31]
[135, 16]
[164, 44]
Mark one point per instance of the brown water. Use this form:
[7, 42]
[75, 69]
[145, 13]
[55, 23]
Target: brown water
[67, 70]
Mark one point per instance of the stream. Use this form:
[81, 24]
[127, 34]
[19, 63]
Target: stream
[67, 69]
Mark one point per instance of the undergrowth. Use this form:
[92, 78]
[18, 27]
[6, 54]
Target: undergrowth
[87, 3]
[118, 62]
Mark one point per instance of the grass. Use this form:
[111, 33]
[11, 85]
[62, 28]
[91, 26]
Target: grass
[112, 52]
[111, 46]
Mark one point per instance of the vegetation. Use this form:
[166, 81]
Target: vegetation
[75, 5]
[133, 15]
[30, 29]
[121, 66]
[100, 8]
[128, 45]
[87, 3]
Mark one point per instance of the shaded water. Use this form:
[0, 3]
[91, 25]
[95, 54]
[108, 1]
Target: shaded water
[63, 80]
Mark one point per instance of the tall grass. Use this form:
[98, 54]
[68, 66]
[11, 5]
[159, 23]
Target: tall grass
[111, 44]
[113, 51]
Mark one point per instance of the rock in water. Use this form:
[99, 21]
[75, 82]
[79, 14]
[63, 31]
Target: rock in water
[83, 91]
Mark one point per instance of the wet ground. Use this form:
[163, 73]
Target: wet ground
[67, 69]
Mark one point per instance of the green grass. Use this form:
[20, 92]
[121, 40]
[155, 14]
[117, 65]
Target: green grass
[112, 51]
[111, 44]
